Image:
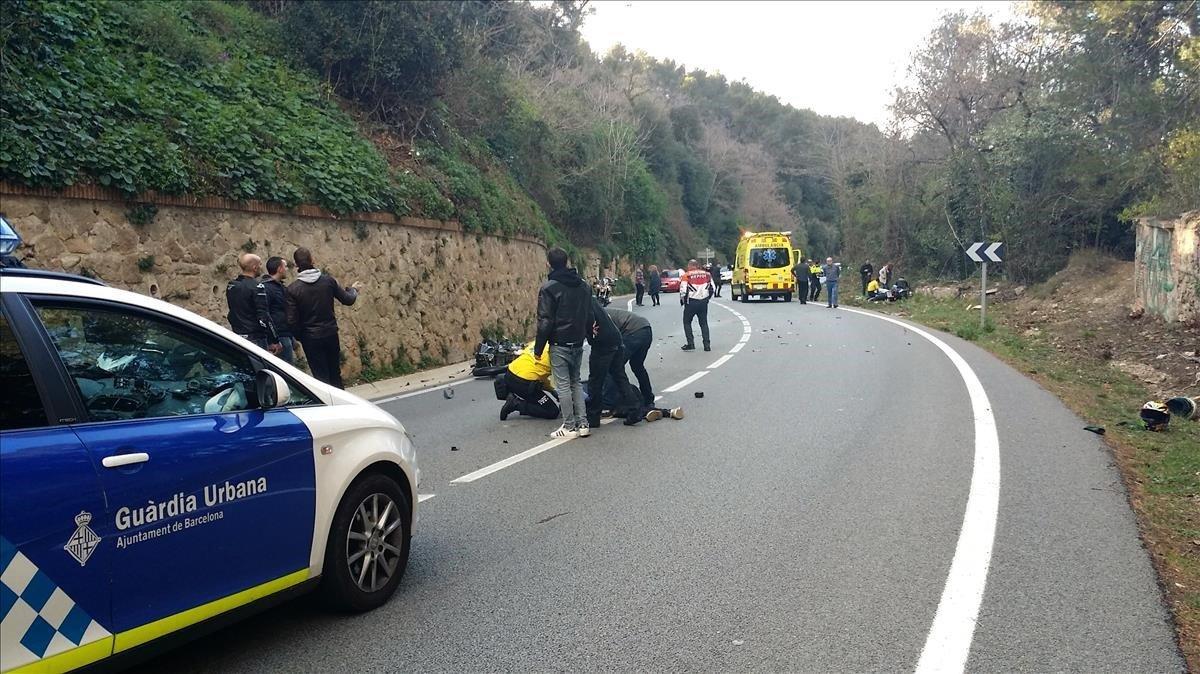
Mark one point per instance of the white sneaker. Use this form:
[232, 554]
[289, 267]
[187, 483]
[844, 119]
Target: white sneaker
[677, 413]
[564, 432]
[653, 415]
[584, 431]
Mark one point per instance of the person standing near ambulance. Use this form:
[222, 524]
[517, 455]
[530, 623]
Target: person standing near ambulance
[814, 280]
[800, 273]
[696, 290]
[833, 273]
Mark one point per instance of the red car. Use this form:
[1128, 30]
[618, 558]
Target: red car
[670, 280]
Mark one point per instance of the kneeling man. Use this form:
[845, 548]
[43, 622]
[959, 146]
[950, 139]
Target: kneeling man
[528, 386]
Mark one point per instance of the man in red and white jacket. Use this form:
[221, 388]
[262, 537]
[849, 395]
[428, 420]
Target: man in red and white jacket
[696, 289]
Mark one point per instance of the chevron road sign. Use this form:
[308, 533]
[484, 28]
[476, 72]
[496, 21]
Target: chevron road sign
[985, 252]
[991, 252]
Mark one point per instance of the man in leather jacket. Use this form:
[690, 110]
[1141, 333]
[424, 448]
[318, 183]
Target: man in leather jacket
[607, 361]
[277, 269]
[310, 314]
[564, 321]
[249, 315]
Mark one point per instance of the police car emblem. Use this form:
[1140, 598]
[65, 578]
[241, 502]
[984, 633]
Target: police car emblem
[83, 542]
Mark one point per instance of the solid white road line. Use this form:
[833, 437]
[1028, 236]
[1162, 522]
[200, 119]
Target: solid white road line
[949, 642]
[505, 463]
[720, 361]
[685, 382]
[629, 305]
[431, 389]
[421, 498]
[737, 347]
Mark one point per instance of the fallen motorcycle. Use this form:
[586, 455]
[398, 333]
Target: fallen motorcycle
[492, 357]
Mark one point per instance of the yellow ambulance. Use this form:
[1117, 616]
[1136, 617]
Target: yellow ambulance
[763, 266]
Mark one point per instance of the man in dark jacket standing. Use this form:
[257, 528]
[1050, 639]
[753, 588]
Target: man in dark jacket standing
[714, 270]
[277, 270]
[564, 320]
[310, 315]
[654, 285]
[867, 272]
[249, 315]
[800, 272]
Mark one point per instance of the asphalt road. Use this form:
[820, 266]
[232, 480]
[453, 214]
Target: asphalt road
[803, 517]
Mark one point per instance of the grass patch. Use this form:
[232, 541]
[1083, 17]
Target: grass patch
[1161, 471]
[375, 370]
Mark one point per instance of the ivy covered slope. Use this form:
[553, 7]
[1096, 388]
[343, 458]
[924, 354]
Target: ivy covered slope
[201, 98]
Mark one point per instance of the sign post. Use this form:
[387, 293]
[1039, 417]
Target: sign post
[707, 255]
[992, 252]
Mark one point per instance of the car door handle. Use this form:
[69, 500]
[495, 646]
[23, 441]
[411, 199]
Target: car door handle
[119, 460]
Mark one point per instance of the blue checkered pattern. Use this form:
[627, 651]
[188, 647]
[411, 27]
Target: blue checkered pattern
[37, 619]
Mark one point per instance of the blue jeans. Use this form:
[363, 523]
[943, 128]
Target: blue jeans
[288, 354]
[831, 288]
[565, 364]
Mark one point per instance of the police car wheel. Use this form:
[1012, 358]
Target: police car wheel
[368, 545]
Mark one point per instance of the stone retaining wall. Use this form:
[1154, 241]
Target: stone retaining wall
[429, 288]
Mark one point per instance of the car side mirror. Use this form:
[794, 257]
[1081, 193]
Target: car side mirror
[272, 389]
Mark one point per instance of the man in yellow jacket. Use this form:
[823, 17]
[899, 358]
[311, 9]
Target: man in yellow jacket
[529, 387]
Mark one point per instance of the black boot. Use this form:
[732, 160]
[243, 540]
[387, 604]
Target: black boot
[511, 405]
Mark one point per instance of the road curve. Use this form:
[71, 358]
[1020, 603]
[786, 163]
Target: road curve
[803, 517]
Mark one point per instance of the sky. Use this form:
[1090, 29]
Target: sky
[836, 58]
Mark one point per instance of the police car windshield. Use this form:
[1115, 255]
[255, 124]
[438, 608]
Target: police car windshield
[769, 258]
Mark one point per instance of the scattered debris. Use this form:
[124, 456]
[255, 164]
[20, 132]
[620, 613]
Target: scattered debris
[547, 519]
[699, 394]
[454, 448]
[448, 393]
[1098, 430]
[738, 642]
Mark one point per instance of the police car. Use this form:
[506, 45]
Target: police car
[157, 473]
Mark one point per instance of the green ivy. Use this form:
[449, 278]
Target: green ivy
[178, 97]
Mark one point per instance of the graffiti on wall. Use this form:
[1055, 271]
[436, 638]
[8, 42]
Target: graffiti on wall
[1154, 281]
